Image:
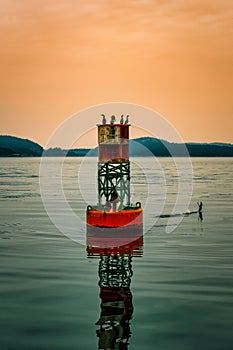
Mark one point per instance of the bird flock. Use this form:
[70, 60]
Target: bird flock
[113, 119]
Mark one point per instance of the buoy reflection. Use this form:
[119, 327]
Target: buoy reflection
[116, 306]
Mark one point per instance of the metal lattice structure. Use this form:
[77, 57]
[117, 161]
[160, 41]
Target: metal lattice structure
[114, 183]
[114, 165]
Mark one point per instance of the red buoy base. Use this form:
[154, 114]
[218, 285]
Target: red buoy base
[113, 229]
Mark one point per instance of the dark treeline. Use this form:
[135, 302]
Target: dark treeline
[11, 146]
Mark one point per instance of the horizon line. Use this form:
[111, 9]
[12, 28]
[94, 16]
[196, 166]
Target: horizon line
[151, 137]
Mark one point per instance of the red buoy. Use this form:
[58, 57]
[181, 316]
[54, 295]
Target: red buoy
[115, 221]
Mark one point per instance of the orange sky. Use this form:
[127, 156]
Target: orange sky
[60, 56]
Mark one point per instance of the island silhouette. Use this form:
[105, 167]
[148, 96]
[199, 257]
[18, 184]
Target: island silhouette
[12, 146]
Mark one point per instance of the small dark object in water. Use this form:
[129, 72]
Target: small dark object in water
[200, 216]
[187, 213]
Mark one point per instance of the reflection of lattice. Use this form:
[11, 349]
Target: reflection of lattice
[114, 321]
[115, 271]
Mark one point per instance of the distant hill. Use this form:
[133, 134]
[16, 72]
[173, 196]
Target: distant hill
[154, 146]
[59, 152]
[11, 146]
[210, 150]
[162, 148]
[6, 152]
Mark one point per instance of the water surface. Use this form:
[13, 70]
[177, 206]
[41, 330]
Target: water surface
[181, 286]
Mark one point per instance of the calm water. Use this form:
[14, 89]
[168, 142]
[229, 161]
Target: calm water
[180, 295]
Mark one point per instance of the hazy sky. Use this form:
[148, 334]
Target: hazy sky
[60, 56]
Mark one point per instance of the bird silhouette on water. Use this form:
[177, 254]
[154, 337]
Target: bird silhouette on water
[200, 215]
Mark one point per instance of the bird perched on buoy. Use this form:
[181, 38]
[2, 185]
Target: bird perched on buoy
[103, 119]
[122, 119]
[127, 119]
[113, 118]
